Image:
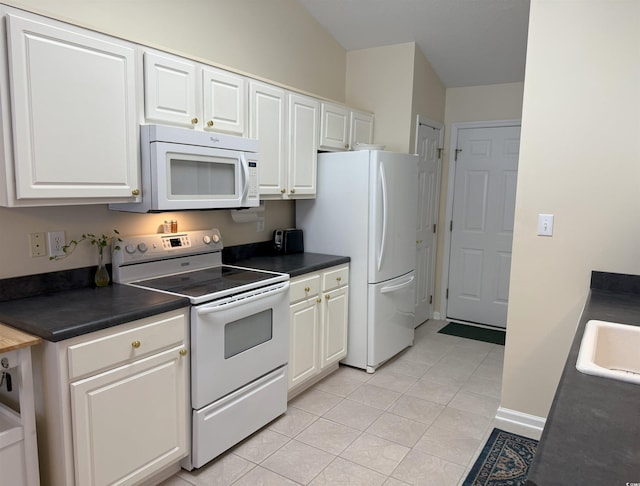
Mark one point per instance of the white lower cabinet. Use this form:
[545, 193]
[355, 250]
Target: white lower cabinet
[318, 326]
[120, 414]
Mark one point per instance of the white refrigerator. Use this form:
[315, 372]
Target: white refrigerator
[366, 208]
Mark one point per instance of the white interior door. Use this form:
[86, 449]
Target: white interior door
[427, 143]
[482, 224]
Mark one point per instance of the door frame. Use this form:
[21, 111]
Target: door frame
[453, 143]
[420, 119]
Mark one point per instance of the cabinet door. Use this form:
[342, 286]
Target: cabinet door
[361, 128]
[224, 96]
[74, 111]
[334, 326]
[304, 333]
[267, 108]
[131, 421]
[335, 127]
[304, 118]
[170, 90]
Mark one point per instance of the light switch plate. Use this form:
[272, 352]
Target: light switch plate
[545, 224]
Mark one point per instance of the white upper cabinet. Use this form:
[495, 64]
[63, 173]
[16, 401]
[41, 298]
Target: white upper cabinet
[73, 115]
[287, 126]
[267, 115]
[342, 127]
[304, 120]
[224, 99]
[361, 128]
[182, 92]
[169, 89]
[335, 127]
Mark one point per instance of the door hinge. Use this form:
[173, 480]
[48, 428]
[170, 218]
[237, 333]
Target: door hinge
[455, 159]
[446, 295]
[434, 227]
[431, 299]
[451, 225]
[440, 153]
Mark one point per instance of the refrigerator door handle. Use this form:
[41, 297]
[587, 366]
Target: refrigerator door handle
[393, 288]
[383, 183]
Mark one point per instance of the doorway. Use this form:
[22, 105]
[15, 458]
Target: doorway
[480, 212]
[429, 142]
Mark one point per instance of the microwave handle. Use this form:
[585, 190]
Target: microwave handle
[245, 172]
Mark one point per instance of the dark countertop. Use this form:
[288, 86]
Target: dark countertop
[77, 307]
[294, 264]
[69, 313]
[592, 433]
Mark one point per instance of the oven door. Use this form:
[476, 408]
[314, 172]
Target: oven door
[194, 177]
[236, 340]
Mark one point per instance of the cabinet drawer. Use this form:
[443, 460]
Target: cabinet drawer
[298, 289]
[335, 278]
[111, 350]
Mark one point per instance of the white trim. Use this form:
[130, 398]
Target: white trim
[520, 423]
[446, 255]
[438, 126]
[436, 316]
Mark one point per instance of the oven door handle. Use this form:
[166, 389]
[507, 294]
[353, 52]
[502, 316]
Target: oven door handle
[208, 309]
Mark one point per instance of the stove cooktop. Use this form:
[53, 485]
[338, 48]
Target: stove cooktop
[211, 282]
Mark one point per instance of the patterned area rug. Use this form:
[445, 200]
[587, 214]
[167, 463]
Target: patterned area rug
[504, 461]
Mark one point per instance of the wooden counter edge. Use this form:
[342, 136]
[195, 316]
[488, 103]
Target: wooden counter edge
[12, 338]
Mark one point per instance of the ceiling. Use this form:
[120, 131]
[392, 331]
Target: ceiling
[468, 42]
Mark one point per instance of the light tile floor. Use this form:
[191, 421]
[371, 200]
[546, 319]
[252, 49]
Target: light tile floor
[420, 419]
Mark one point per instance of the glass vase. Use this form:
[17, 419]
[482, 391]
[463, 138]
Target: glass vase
[102, 275]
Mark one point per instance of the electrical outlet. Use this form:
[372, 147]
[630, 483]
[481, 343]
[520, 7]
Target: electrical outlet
[260, 225]
[56, 241]
[37, 245]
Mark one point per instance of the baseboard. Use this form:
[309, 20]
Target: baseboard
[437, 316]
[520, 423]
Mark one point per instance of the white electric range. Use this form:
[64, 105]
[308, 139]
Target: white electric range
[239, 332]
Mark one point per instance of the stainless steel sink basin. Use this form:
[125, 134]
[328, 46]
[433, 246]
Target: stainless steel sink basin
[610, 350]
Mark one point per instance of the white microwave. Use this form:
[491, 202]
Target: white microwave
[187, 169]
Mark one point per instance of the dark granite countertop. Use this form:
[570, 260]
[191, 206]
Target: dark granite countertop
[62, 315]
[294, 264]
[592, 433]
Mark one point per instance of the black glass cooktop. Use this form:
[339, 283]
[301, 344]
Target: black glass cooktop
[208, 281]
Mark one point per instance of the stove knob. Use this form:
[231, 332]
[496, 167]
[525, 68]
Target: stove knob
[130, 249]
[206, 239]
[142, 247]
[216, 238]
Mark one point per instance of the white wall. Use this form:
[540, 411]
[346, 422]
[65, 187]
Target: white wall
[579, 160]
[276, 40]
[474, 103]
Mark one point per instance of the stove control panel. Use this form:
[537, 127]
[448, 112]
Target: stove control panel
[143, 248]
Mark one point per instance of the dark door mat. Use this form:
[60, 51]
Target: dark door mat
[505, 459]
[473, 332]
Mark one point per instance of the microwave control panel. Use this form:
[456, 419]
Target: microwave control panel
[253, 179]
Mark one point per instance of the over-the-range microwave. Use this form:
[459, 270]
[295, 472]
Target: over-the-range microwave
[188, 169]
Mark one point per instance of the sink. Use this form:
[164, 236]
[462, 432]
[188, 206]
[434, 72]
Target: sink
[610, 350]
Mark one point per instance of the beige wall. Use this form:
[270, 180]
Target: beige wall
[276, 39]
[381, 80]
[429, 94]
[279, 41]
[580, 160]
[471, 104]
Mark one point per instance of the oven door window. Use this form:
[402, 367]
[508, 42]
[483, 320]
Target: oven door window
[247, 333]
[198, 177]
